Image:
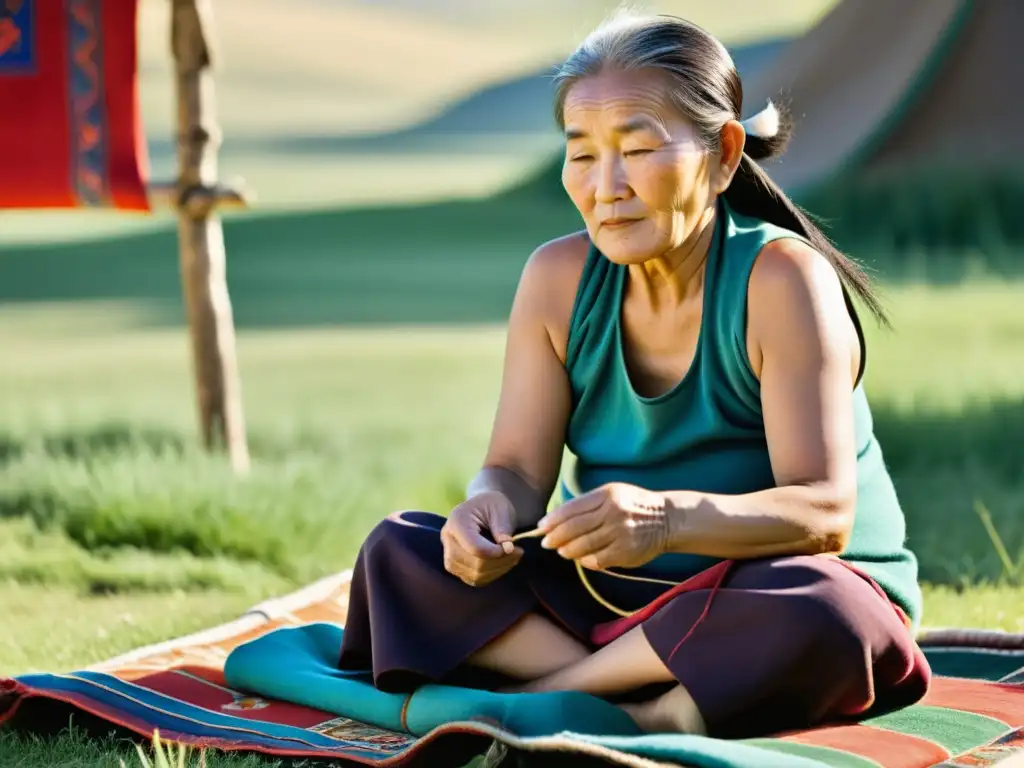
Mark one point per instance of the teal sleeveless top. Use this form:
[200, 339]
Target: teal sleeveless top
[707, 433]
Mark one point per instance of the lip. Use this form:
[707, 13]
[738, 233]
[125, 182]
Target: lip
[618, 222]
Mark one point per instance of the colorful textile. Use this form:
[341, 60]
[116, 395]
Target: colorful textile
[71, 134]
[181, 688]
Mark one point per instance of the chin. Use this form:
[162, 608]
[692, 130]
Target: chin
[622, 251]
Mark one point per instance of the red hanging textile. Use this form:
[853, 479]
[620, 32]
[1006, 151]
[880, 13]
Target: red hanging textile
[70, 128]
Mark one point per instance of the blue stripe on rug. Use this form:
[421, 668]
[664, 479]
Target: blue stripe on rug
[167, 713]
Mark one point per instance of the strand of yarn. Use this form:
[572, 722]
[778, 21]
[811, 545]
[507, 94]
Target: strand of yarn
[537, 533]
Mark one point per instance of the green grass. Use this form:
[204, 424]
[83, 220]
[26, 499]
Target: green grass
[74, 748]
[104, 489]
[344, 427]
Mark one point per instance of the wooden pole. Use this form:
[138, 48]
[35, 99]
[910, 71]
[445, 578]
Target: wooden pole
[201, 237]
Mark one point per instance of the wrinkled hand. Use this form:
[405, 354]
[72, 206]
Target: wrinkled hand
[614, 526]
[468, 554]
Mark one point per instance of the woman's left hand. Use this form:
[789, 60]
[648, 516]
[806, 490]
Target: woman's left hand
[614, 526]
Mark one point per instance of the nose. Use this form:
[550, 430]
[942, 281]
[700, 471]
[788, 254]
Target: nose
[611, 184]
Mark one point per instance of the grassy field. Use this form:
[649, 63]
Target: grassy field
[103, 489]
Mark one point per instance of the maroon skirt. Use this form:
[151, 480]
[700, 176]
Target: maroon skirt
[762, 645]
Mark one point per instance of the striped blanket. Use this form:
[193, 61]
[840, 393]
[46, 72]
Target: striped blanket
[217, 690]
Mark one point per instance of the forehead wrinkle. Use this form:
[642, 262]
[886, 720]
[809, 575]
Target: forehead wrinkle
[624, 128]
[643, 101]
[608, 91]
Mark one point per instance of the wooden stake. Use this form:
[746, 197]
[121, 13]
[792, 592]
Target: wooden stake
[201, 237]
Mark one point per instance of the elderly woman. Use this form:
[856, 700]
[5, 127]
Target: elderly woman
[728, 553]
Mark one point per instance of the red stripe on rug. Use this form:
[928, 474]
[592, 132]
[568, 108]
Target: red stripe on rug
[893, 750]
[1003, 701]
[214, 697]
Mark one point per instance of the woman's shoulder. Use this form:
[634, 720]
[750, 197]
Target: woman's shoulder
[795, 299]
[561, 260]
[791, 268]
[766, 265]
[550, 280]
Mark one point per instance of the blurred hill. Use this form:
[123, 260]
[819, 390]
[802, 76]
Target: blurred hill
[732, 20]
[295, 74]
[328, 103]
[342, 66]
[516, 113]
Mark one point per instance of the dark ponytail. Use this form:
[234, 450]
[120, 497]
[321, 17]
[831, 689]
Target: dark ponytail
[705, 86]
[754, 194]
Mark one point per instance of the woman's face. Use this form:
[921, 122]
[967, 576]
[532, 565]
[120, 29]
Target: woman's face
[634, 167]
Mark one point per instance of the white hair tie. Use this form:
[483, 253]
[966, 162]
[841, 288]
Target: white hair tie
[763, 125]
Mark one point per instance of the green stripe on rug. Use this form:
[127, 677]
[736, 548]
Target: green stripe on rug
[954, 729]
[834, 758]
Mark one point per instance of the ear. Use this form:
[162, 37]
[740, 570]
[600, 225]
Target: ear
[727, 160]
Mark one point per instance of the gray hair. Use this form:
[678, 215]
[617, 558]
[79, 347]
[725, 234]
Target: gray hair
[702, 80]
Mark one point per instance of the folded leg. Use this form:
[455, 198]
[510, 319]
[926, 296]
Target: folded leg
[785, 643]
[790, 643]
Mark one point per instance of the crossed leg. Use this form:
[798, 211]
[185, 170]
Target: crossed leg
[533, 648]
[627, 664]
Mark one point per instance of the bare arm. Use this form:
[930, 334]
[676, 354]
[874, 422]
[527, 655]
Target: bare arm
[804, 348]
[528, 436]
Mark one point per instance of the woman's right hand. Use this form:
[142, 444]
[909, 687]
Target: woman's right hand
[468, 553]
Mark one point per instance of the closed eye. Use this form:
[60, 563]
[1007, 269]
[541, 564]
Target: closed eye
[581, 158]
[637, 152]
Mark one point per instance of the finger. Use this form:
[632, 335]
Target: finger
[472, 566]
[582, 504]
[470, 539]
[477, 572]
[572, 528]
[504, 540]
[454, 536]
[588, 544]
[501, 525]
[460, 566]
[599, 560]
[473, 563]
[456, 561]
[496, 573]
[458, 571]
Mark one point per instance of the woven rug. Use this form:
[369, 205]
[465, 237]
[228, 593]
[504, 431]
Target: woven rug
[202, 690]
